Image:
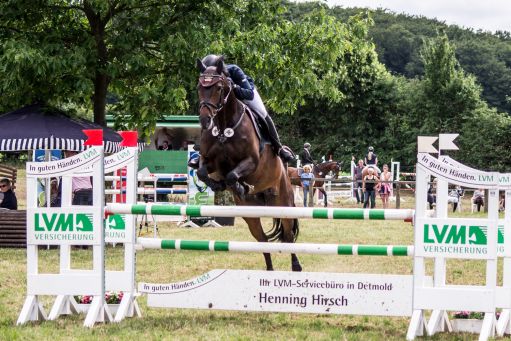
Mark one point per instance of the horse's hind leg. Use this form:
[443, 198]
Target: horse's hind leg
[290, 226]
[325, 199]
[256, 229]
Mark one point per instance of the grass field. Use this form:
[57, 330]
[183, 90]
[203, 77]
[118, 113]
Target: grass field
[162, 266]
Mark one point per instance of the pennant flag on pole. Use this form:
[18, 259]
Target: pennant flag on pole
[94, 137]
[129, 138]
[425, 144]
[446, 142]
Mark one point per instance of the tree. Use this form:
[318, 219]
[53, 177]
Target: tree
[143, 53]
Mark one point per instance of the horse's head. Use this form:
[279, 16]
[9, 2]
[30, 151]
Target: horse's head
[214, 88]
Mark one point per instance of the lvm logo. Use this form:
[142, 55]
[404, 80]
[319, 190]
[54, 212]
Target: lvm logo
[455, 234]
[63, 222]
[115, 222]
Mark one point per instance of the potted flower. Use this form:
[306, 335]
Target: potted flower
[467, 322]
[224, 198]
[113, 299]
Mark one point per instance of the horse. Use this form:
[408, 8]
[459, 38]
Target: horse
[233, 157]
[319, 170]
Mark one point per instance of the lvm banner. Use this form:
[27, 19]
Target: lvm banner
[456, 238]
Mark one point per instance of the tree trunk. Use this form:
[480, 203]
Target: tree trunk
[99, 98]
[101, 79]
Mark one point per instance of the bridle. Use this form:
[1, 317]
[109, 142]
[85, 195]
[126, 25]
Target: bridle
[207, 80]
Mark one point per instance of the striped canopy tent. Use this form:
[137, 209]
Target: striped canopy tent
[40, 127]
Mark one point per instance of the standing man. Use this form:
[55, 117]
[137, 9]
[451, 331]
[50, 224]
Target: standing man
[305, 156]
[81, 187]
[357, 176]
[9, 201]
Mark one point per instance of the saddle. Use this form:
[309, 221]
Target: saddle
[259, 127]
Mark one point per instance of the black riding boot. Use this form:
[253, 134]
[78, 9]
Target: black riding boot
[285, 155]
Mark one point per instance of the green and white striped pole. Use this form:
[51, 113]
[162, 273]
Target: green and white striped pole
[262, 212]
[299, 248]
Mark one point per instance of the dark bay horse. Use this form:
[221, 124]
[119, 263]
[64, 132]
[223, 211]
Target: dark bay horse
[319, 170]
[231, 157]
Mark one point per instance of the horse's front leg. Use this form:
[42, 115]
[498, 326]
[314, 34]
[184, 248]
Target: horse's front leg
[203, 175]
[244, 168]
[325, 199]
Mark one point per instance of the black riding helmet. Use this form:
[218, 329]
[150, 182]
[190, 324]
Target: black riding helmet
[212, 59]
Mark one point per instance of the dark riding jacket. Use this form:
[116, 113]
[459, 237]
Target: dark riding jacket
[305, 157]
[245, 88]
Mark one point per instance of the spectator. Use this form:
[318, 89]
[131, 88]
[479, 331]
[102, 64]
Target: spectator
[455, 197]
[55, 193]
[305, 156]
[305, 178]
[357, 176]
[385, 186]
[431, 196]
[478, 198]
[9, 201]
[164, 146]
[502, 202]
[81, 187]
[370, 183]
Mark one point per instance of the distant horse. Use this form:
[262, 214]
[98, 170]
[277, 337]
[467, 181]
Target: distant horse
[232, 157]
[321, 170]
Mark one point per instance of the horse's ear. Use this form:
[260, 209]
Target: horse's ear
[220, 65]
[200, 65]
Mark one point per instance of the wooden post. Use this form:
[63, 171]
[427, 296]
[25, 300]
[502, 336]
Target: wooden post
[311, 194]
[398, 195]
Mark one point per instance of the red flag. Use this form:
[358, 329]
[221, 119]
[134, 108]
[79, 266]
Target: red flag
[95, 137]
[129, 138]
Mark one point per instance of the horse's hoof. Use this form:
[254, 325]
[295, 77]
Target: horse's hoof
[240, 190]
[269, 269]
[296, 267]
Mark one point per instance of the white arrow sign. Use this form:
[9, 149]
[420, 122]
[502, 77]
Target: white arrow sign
[425, 144]
[446, 142]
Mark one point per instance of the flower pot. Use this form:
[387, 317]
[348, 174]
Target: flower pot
[83, 308]
[467, 325]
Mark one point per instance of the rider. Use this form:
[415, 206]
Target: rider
[305, 156]
[245, 90]
[371, 160]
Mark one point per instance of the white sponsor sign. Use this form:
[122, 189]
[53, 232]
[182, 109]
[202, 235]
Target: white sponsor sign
[459, 176]
[72, 164]
[276, 291]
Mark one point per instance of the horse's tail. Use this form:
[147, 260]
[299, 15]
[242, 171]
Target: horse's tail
[277, 231]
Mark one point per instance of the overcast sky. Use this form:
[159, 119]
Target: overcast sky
[488, 15]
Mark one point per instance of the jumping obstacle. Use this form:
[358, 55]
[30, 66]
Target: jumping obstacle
[362, 294]
[81, 225]
[263, 212]
[440, 237]
[144, 191]
[300, 248]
